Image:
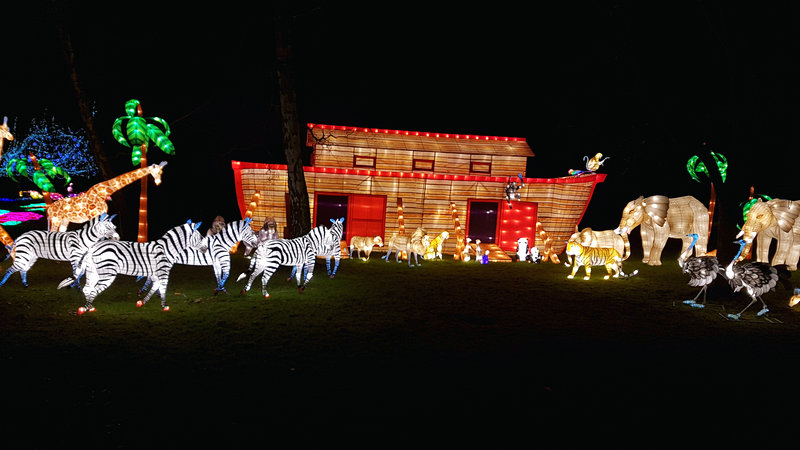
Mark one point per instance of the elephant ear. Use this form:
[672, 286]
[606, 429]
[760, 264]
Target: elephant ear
[586, 237]
[656, 207]
[785, 212]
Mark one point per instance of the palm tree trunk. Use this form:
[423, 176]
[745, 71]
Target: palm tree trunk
[141, 235]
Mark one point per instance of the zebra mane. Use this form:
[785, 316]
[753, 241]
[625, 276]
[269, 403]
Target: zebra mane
[232, 233]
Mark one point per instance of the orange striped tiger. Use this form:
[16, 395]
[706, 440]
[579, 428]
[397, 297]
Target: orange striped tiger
[595, 256]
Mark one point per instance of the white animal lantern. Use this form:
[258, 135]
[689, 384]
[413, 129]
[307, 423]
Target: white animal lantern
[526, 253]
[522, 249]
[534, 255]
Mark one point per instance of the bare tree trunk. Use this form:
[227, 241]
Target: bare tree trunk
[95, 145]
[733, 190]
[292, 142]
[86, 115]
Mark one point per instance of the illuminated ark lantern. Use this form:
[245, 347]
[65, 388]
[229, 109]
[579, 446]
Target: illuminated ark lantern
[373, 176]
[661, 218]
[773, 219]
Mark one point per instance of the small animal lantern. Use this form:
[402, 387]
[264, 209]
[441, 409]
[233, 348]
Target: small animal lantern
[522, 249]
[511, 189]
[526, 253]
[465, 252]
[592, 164]
[795, 299]
[216, 226]
[269, 231]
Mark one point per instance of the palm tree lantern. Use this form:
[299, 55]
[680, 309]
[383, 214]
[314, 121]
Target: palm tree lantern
[137, 134]
[695, 167]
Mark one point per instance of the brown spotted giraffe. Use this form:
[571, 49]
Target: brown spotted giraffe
[5, 134]
[92, 203]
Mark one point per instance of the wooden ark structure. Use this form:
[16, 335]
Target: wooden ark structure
[392, 181]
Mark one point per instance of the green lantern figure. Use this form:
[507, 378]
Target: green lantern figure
[41, 171]
[138, 132]
[695, 167]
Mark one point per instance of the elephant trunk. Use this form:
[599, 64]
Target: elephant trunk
[627, 246]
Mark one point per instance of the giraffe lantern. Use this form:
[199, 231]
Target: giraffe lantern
[5, 134]
[92, 203]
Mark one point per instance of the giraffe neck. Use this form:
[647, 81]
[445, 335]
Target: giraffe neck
[108, 187]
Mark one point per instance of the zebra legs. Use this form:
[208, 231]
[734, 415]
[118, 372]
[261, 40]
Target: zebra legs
[335, 266]
[221, 275]
[92, 289]
[250, 279]
[309, 272]
[9, 272]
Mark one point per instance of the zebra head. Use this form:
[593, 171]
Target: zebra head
[100, 228]
[180, 238]
[245, 234]
[337, 228]
[106, 229]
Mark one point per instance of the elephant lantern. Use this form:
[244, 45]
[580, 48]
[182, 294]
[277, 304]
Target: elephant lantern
[661, 218]
[773, 219]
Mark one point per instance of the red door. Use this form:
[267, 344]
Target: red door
[366, 215]
[517, 223]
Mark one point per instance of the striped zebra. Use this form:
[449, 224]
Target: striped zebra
[330, 245]
[58, 246]
[300, 252]
[153, 259]
[218, 255]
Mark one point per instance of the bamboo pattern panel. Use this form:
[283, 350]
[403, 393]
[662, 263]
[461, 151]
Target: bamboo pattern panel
[426, 200]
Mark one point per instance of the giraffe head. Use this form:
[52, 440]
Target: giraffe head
[5, 133]
[155, 171]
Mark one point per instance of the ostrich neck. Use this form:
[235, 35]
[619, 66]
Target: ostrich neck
[688, 251]
[729, 269]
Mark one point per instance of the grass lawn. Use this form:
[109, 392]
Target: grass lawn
[444, 354]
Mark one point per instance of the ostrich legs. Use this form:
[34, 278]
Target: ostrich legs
[755, 277]
[702, 271]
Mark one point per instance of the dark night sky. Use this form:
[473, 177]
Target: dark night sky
[643, 85]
